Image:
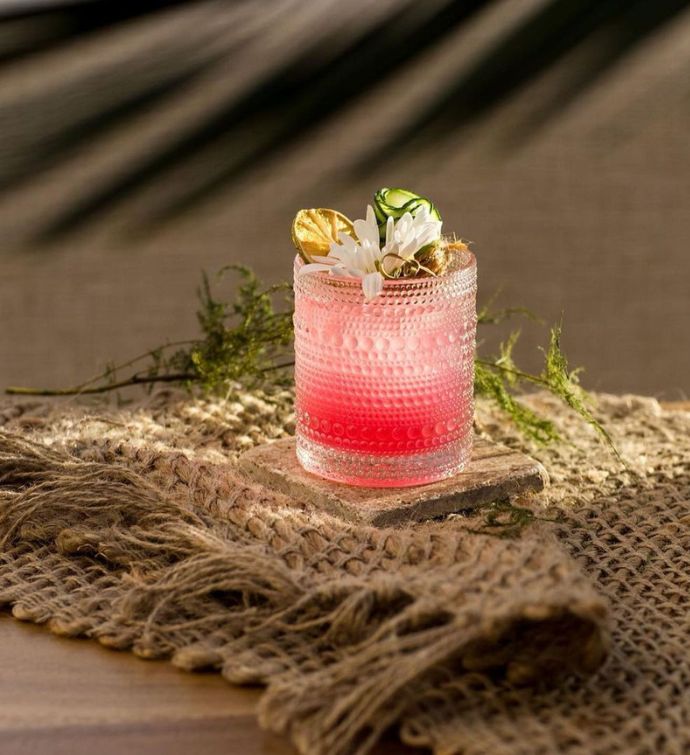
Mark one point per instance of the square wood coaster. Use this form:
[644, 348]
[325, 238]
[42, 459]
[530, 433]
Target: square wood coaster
[494, 472]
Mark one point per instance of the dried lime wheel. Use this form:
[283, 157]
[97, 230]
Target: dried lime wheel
[314, 230]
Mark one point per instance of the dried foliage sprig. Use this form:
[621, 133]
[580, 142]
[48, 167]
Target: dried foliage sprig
[506, 520]
[500, 379]
[246, 341]
[241, 341]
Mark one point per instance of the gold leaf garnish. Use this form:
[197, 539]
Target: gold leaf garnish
[314, 230]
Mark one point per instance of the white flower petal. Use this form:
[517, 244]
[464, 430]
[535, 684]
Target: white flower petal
[367, 230]
[373, 255]
[406, 222]
[361, 229]
[372, 285]
[343, 255]
[341, 270]
[390, 230]
[408, 248]
[313, 267]
[374, 236]
[348, 242]
[423, 214]
[371, 216]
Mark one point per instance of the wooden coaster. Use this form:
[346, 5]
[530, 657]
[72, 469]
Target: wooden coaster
[495, 472]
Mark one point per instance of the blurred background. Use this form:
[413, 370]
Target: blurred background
[142, 142]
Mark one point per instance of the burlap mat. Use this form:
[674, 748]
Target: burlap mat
[129, 526]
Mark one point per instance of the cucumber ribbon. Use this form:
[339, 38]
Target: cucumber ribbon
[394, 203]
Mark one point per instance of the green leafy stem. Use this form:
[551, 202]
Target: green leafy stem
[247, 341]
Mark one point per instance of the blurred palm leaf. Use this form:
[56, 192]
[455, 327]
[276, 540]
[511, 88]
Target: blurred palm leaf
[32, 27]
[268, 73]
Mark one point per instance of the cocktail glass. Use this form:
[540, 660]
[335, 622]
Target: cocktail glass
[384, 388]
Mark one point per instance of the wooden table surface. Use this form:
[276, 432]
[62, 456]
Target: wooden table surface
[63, 696]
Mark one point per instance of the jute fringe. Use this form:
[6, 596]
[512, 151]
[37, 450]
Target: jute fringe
[132, 527]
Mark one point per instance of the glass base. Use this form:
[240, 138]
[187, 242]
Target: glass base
[384, 471]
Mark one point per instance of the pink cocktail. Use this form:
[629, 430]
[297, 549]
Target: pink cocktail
[384, 389]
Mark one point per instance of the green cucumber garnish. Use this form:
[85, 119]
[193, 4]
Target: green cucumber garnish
[394, 203]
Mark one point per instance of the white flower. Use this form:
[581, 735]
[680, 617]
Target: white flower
[409, 234]
[364, 258]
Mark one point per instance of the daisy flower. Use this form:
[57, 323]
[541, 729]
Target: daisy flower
[365, 258]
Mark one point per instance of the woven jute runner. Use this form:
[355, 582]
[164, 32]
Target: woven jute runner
[558, 625]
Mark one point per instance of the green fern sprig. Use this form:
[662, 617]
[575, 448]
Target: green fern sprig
[242, 341]
[500, 379]
[246, 341]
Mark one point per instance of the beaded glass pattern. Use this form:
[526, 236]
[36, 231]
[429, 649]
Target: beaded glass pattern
[384, 389]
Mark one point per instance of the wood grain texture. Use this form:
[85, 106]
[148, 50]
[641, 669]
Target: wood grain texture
[72, 697]
[494, 472]
[676, 406]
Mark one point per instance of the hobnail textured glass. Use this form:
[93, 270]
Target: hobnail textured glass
[384, 389]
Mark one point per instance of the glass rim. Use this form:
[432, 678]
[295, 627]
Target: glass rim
[466, 262]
